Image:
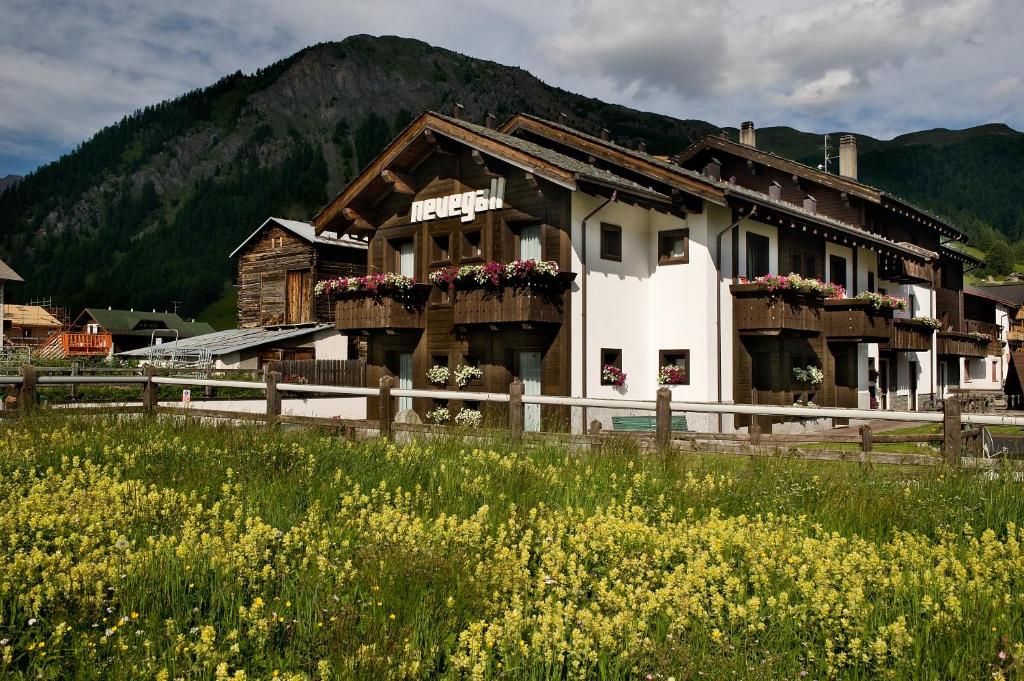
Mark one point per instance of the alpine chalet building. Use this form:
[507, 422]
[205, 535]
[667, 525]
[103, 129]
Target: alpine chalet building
[585, 268]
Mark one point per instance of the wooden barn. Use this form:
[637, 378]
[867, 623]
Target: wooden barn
[278, 267]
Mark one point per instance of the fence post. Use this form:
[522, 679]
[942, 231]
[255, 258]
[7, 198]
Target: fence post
[27, 392]
[951, 433]
[385, 410]
[75, 368]
[754, 430]
[516, 413]
[663, 418]
[149, 390]
[595, 427]
[273, 396]
[866, 438]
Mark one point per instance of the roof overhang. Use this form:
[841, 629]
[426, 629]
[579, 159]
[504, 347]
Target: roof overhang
[641, 163]
[429, 125]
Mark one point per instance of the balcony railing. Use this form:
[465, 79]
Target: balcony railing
[905, 272]
[966, 344]
[850, 319]
[513, 305]
[86, 344]
[367, 313]
[761, 312]
[994, 331]
[909, 336]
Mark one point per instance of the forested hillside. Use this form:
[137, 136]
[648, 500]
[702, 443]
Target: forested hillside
[146, 212]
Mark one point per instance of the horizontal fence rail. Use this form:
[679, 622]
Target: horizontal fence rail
[960, 432]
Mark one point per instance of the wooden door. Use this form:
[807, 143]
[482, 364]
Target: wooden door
[298, 297]
[913, 386]
[845, 355]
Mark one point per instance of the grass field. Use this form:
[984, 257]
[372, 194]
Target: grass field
[165, 549]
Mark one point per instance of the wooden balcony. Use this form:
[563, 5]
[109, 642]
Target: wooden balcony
[367, 314]
[905, 272]
[966, 345]
[994, 331]
[513, 306]
[857, 321]
[87, 344]
[909, 336]
[759, 312]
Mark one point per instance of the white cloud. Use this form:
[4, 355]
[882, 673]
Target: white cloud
[877, 66]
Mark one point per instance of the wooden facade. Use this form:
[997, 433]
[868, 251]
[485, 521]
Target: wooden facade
[277, 270]
[474, 328]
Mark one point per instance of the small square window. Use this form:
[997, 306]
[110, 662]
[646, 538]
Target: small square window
[611, 356]
[439, 244]
[471, 245]
[680, 359]
[611, 242]
[674, 247]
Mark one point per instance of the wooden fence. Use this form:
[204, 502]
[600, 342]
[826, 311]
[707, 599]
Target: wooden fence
[335, 372]
[960, 438]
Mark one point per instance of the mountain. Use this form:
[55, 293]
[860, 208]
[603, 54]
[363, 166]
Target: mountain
[145, 212]
[9, 181]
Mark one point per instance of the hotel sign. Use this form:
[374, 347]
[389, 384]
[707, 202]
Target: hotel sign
[465, 205]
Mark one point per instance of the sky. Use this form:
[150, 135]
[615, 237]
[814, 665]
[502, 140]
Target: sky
[877, 67]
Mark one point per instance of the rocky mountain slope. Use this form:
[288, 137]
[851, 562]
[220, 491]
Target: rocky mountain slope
[146, 211]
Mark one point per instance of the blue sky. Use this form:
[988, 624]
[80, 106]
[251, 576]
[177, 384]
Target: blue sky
[879, 67]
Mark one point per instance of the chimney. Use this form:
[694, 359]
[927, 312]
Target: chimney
[457, 111]
[563, 118]
[810, 204]
[724, 135]
[774, 191]
[747, 133]
[641, 146]
[848, 156]
[489, 121]
[605, 134]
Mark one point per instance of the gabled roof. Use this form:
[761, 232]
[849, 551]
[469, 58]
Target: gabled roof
[30, 315]
[669, 172]
[992, 293]
[231, 340]
[7, 274]
[140, 323]
[956, 254]
[656, 167]
[306, 232]
[537, 160]
[837, 182]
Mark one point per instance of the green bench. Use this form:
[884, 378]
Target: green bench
[644, 424]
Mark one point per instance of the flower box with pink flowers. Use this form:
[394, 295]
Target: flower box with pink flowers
[775, 304]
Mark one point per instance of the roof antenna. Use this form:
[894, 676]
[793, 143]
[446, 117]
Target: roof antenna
[828, 156]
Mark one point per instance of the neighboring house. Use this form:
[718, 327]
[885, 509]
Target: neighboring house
[131, 329]
[990, 314]
[278, 267]
[28, 324]
[652, 254]
[6, 275]
[253, 348]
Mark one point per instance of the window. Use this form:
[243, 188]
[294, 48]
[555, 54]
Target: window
[757, 256]
[809, 267]
[912, 305]
[796, 264]
[610, 356]
[994, 372]
[837, 270]
[439, 245]
[676, 358]
[611, 242]
[471, 245]
[871, 282]
[529, 243]
[674, 247]
[405, 257]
